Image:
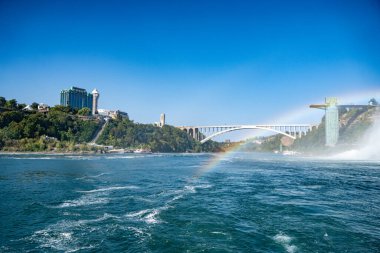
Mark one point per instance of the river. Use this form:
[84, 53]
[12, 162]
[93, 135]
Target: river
[244, 202]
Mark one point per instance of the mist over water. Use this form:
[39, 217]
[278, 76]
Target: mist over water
[368, 148]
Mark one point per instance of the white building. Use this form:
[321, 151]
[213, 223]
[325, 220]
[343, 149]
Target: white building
[113, 114]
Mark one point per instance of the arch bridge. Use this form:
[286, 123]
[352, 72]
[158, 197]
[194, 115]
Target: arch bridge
[205, 133]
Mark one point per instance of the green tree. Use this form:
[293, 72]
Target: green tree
[373, 101]
[34, 105]
[84, 111]
[21, 106]
[11, 104]
[3, 101]
[60, 108]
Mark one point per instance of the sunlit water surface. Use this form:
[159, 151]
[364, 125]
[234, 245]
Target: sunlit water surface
[178, 203]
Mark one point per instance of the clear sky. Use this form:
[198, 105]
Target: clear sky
[200, 62]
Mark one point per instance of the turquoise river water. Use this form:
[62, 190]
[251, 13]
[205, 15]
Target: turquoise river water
[188, 203]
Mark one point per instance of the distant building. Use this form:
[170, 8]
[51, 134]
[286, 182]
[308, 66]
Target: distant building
[43, 107]
[95, 98]
[162, 120]
[113, 114]
[77, 98]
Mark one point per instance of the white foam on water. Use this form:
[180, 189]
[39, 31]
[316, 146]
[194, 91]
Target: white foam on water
[99, 175]
[105, 216]
[218, 233]
[137, 214]
[95, 176]
[190, 188]
[285, 241]
[177, 197]
[112, 188]
[120, 157]
[136, 230]
[71, 214]
[31, 158]
[60, 236]
[147, 215]
[66, 235]
[203, 186]
[83, 201]
[150, 216]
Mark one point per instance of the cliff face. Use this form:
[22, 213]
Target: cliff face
[354, 123]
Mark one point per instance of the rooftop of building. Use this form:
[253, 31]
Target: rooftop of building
[73, 88]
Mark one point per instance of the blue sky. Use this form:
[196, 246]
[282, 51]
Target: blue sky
[200, 62]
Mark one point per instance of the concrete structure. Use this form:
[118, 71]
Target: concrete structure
[332, 122]
[95, 98]
[76, 98]
[291, 130]
[162, 119]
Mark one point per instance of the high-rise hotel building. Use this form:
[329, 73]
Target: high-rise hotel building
[76, 98]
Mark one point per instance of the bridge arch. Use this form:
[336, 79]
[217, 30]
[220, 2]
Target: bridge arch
[244, 128]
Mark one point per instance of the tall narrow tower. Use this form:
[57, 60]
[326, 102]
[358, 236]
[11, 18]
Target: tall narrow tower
[332, 122]
[162, 120]
[95, 97]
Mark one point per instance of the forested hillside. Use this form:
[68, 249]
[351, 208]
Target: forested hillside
[127, 134]
[64, 129]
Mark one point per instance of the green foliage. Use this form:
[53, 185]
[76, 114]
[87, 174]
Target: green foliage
[126, 134]
[314, 140]
[61, 129]
[11, 104]
[23, 130]
[271, 143]
[373, 102]
[61, 108]
[21, 106]
[7, 117]
[34, 105]
[84, 111]
[3, 101]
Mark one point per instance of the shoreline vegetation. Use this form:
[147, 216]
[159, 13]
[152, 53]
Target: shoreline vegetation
[61, 129]
[67, 131]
